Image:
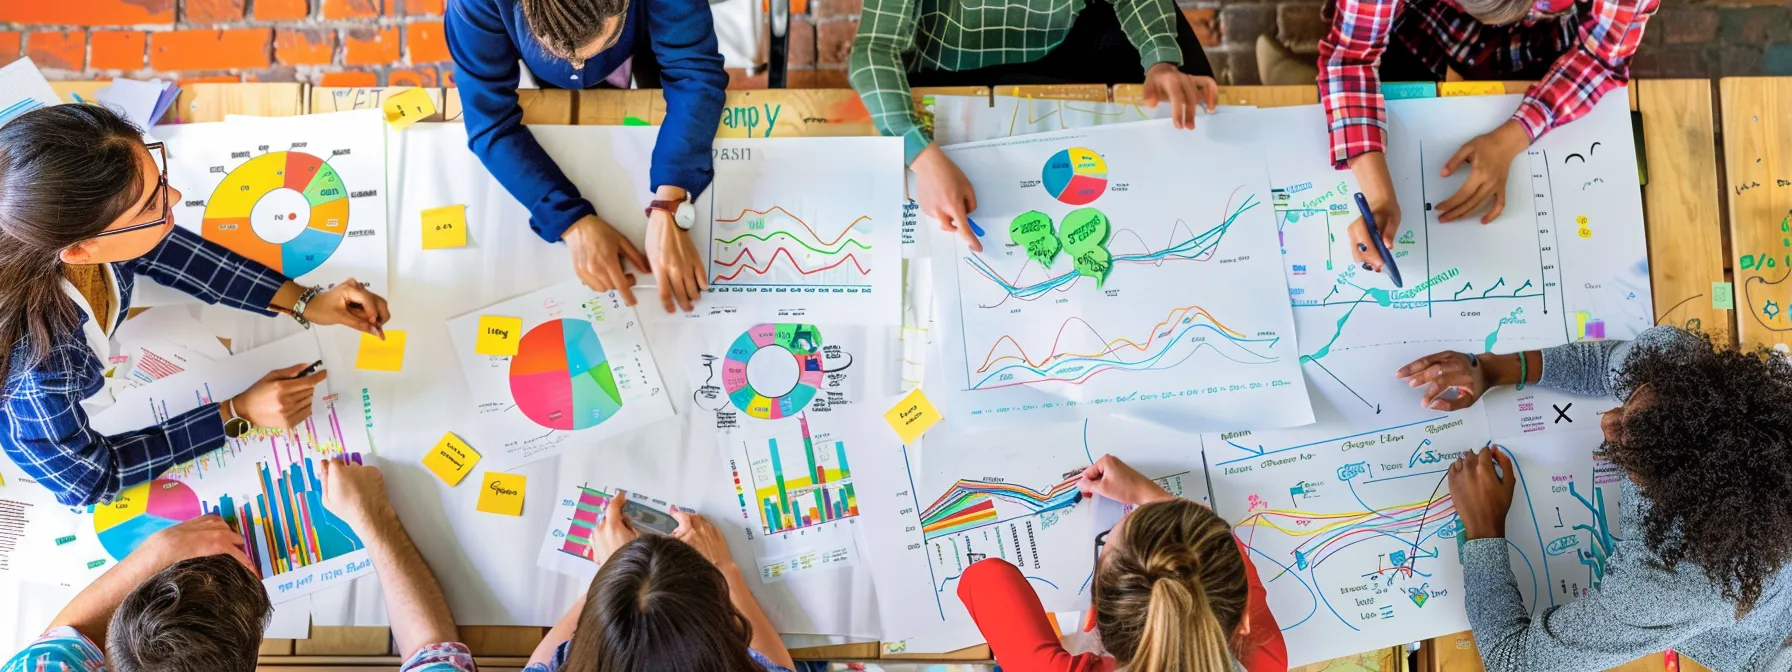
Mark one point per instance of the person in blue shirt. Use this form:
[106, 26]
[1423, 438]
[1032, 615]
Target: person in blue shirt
[579, 44]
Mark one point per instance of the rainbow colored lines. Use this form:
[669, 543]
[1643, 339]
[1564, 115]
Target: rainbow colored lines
[1328, 533]
[287, 527]
[1188, 324]
[969, 504]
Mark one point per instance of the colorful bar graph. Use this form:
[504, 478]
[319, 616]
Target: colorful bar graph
[585, 517]
[287, 527]
[821, 494]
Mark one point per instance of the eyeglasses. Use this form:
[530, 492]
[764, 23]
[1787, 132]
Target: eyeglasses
[159, 153]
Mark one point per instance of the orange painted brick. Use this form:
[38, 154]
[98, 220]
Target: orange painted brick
[242, 49]
[428, 45]
[118, 49]
[350, 78]
[214, 11]
[424, 7]
[371, 46]
[281, 10]
[424, 76]
[11, 43]
[186, 82]
[304, 47]
[87, 12]
[352, 9]
[66, 50]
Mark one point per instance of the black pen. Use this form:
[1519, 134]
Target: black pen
[310, 369]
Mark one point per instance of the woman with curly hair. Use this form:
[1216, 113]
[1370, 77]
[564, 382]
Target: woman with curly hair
[1704, 437]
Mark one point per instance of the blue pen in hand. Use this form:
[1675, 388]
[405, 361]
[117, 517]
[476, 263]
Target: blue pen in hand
[1387, 256]
[974, 228]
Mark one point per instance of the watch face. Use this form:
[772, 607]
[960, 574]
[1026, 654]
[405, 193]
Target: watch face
[686, 215]
[236, 428]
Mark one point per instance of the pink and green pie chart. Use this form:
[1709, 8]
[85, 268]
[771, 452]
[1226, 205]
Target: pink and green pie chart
[773, 371]
[1075, 176]
[142, 510]
[561, 379]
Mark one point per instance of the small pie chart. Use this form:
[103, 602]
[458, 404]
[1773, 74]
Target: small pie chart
[561, 378]
[140, 511]
[1076, 176]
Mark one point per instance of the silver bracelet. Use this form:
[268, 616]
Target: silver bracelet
[299, 306]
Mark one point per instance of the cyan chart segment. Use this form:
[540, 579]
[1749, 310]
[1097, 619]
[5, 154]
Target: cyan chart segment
[287, 527]
[828, 492]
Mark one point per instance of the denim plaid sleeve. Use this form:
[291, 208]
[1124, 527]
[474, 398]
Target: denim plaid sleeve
[444, 657]
[59, 650]
[1349, 84]
[210, 272]
[1610, 34]
[44, 430]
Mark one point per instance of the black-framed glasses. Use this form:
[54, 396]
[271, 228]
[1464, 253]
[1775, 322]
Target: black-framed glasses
[1101, 542]
[159, 153]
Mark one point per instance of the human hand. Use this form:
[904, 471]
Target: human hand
[1371, 170]
[696, 531]
[1483, 496]
[1489, 157]
[614, 532]
[278, 400]
[680, 270]
[350, 304]
[1115, 480]
[1184, 91]
[598, 250]
[1446, 371]
[945, 194]
[200, 537]
[356, 493]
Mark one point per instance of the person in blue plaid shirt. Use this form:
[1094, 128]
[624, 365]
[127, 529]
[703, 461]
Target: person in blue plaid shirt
[85, 209]
[188, 600]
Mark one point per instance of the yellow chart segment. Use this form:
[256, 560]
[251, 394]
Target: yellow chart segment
[237, 194]
[131, 502]
[1087, 162]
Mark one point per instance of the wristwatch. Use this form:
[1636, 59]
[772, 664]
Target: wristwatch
[236, 426]
[683, 213]
[299, 306]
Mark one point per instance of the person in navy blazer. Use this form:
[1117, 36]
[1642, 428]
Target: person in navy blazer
[580, 44]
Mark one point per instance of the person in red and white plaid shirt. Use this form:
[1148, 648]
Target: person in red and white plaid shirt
[1577, 50]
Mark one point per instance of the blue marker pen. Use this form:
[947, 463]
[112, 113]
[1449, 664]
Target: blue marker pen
[1387, 256]
[974, 228]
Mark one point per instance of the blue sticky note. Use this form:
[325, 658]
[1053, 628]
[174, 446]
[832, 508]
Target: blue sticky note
[1404, 90]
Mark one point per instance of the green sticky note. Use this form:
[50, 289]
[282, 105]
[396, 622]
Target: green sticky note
[1723, 296]
[1032, 230]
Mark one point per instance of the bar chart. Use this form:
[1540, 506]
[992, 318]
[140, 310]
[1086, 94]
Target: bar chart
[820, 490]
[285, 527]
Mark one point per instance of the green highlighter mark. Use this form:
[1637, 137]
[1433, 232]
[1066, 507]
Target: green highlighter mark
[1032, 230]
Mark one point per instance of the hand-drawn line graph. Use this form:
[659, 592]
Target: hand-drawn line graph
[774, 247]
[1115, 115]
[968, 505]
[1079, 350]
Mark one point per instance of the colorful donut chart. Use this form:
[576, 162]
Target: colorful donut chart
[1075, 176]
[318, 211]
[801, 342]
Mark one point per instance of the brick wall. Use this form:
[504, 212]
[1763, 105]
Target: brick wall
[326, 42]
[400, 42]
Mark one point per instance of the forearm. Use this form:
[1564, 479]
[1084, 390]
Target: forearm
[559, 634]
[1511, 369]
[91, 610]
[1151, 27]
[414, 601]
[765, 637]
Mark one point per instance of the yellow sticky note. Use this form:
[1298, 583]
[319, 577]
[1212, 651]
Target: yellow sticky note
[498, 336]
[1447, 89]
[502, 493]
[445, 227]
[451, 460]
[912, 416]
[378, 355]
[408, 107]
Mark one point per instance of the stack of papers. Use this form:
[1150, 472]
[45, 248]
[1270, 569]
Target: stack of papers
[143, 103]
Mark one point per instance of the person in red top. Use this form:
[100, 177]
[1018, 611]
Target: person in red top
[1173, 592]
[1577, 50]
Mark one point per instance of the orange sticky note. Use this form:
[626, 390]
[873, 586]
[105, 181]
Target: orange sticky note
[502, 493]
[445, 227]
[408, 107]
[912, 416]
[1447, 89]
[378, 355]
[498, 336]
[451, 460]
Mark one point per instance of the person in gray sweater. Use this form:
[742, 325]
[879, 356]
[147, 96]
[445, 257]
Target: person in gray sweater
[1704, 438]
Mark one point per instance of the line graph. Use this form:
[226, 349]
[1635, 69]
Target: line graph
[1079, 351]
[971, 504]
[774, 247]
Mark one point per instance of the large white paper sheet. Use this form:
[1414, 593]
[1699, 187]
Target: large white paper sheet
[1098, 293]
[23, 89]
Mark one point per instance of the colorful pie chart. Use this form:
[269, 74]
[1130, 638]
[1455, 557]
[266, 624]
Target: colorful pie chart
[287, 210]
[561, 378]
[1076, 176]
[143, 510]
[773, 370]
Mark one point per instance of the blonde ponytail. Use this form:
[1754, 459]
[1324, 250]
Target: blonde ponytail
[1171, 594]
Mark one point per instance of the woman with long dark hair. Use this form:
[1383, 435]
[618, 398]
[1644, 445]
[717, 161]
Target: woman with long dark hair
[662, 603]
[85, 208]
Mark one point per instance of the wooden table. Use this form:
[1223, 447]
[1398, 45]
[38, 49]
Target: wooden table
[1690, 248]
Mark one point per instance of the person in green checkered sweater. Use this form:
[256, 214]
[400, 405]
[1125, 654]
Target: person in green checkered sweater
[1015, 42]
